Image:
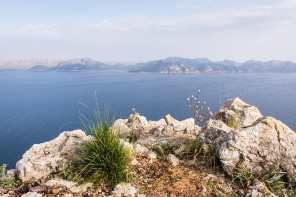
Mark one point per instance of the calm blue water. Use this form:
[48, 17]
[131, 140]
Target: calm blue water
[36, 106]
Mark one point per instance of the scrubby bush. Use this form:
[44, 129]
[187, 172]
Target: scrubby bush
[105, 158]
[5, 181]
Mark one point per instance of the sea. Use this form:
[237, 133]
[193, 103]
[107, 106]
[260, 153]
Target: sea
[36, 107]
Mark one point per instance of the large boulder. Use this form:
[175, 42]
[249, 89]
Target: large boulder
[265, 145]
[236, 113]
[212, 130]
[46, 158]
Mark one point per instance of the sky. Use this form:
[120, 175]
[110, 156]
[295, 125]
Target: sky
[139, 31]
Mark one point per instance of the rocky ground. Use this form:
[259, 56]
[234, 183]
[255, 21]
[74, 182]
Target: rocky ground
[162, 165]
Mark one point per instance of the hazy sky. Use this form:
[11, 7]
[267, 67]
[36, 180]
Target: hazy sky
[135, 30]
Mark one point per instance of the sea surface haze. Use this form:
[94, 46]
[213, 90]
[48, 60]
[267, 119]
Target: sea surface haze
[36, 106]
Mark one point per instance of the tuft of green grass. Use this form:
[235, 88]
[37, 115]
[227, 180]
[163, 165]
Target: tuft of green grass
[133, 137]
[273, 181]
[244, 176]
[5, 181]
[211, 158]
[105, 158]
[168, 148]
[71, 173]
[196, 148]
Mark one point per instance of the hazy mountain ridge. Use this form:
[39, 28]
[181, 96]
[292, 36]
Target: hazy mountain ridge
[204, 65]
[168, 65]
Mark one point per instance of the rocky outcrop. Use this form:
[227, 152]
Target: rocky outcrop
[46, 158]
[258, 143]
[168, 126]
[267, 144]
[237, 113]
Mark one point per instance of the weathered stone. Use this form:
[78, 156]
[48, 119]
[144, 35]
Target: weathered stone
[81, 188]
[127, 145]
[212, 130]
[124, 189]
[135, 122]
[184, 124]
[120, 126]
[156, 124]
[31, 194]
[169, 119]
[46, 158]
[141, 149]
[172, 159]
[238, 113]
[60, 183]
[151, 155]
[268, 143]
[259, 189]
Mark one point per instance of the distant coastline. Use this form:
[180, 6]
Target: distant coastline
[168, 65]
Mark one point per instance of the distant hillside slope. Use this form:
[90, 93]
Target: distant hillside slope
[204, 65]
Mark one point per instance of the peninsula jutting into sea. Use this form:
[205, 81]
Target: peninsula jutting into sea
[168, 65]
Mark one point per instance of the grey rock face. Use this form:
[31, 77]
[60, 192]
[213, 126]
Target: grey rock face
[236, 110]
[259, 189]
[212, 130]
[43, 159]
[268, 143]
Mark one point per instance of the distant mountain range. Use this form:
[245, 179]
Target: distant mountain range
[169, 65]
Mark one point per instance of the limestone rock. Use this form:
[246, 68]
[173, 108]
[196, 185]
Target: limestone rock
[151, 155]
[238, 112]
[136, 122]
[120, 126]
[259, 189]
[141, 149]
[46, 158]
[156, 124]
[172, 159]
[60, 183]
[258, 148]
[124, 189]
[31, 194]
[169, 119]
[212, 130]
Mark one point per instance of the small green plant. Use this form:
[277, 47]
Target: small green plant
[273, 181]
[211, 157]
[71, 173]
[232, 122]
[168, 148]
[196, 148]
[244, 176]
[105, 156]
[5, 181]
[133, 137]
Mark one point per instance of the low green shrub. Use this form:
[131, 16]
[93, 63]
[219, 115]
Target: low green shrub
[244, 176]
[5, 181]
[105, 156]
[168, 148]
